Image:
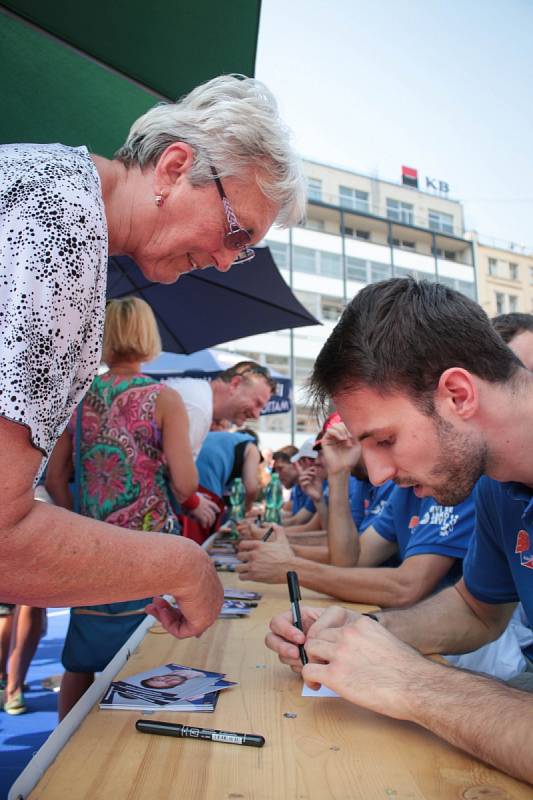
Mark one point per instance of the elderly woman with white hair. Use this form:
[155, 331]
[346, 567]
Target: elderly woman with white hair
[195, 184]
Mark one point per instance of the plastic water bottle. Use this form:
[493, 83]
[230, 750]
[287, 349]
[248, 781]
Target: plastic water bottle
[274, 500]
[237, 500]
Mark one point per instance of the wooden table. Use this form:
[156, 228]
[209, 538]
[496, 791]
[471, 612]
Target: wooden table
[330, 750]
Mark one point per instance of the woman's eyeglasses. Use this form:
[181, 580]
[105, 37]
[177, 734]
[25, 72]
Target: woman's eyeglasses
[236, 237]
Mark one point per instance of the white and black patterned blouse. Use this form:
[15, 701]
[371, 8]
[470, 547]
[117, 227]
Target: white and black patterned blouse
[53, 266]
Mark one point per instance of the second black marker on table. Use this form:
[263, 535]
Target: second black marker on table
[295, 596]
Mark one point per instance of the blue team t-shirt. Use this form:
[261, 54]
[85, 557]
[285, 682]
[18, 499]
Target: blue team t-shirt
[422, 525]
[299, 499]
[499, 564]
[366, 500]
[369, 502]
[216, 459]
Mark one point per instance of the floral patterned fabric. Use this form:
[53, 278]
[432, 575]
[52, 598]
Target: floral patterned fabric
[123, 469]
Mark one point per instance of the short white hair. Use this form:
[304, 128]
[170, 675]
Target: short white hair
[232, 123]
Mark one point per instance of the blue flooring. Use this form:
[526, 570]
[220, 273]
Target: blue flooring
[22, 736]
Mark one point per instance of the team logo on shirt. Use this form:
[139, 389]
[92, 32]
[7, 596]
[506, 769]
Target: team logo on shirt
[442, 516]
[413, 522]
[378, 508]
[524, 550]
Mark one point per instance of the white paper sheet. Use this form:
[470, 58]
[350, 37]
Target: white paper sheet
[322, 692]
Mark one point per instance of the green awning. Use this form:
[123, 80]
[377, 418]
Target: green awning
[80, 73]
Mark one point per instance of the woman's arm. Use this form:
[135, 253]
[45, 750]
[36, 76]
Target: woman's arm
[52, 557]
[59, 471]
[173, 420]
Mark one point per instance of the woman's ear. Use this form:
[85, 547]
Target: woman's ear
[175, 162]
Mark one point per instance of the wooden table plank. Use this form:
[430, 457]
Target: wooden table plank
[330, 751]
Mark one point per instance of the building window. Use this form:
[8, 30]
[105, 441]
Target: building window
[500, 303]
[278, 363]
[365, 235]
[513, 271]
[314, 224]
[404, 244]
[330, 265]
[513, 303]
[438, 221]
[310, 301]
[400, 212]
[304, 259]
[356, 270]
[447, 255]
[379, 272]
[280, 254]
[314, 189]
[354, 199]
[302, 369]
[493, 268]
[331, 307]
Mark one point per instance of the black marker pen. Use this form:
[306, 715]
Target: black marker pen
[268, 534]
[294, 594]
[187, 732]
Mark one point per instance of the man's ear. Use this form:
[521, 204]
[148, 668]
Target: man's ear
[175, 162]
[236, 381]
[458, 393]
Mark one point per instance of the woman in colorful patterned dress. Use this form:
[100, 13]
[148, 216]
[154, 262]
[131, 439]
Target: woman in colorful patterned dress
[133, 440]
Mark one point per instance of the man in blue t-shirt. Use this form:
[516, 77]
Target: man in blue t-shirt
[285, 463]
[430, 540]
[437, 400]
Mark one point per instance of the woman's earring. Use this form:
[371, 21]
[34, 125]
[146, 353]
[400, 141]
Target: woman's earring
[159, 200]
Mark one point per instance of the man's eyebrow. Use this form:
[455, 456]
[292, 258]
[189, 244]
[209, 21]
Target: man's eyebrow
[374, 433]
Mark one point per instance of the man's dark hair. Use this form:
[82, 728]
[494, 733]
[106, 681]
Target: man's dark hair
[285, 453]
[510, 325]
[247, 368]
[401, 335]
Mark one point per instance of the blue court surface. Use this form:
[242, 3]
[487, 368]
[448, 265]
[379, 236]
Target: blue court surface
[21, 736]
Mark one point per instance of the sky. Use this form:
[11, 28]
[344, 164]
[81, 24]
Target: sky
[444, 86]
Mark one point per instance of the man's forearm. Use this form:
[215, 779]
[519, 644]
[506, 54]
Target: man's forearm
[343, 537]
[381, 586]
[441, 624]
[312, 552]
[73, 560]
[477, 714]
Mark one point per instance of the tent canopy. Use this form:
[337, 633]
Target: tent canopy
[81, 73]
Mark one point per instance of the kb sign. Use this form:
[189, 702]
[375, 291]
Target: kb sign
[437, 186]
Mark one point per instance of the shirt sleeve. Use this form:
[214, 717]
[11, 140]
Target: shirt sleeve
[384, 524]
[450, 536]
[52, 267]
[486, 571]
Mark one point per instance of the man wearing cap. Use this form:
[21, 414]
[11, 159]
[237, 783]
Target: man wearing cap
[303, 507]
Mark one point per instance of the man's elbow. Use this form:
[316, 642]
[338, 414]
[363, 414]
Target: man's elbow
[409, 592]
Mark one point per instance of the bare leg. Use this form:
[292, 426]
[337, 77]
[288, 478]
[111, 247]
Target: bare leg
[27, 633]
[73, 686]
[6, 629]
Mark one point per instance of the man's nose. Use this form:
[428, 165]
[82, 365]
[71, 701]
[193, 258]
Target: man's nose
[380, 469]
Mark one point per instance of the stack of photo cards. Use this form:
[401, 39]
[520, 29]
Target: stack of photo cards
[171, 687]
[241, 594]
[238, 603]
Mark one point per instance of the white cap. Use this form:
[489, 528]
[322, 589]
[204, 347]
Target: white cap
[306, 450]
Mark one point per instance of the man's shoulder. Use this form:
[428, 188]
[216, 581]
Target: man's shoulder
[192, 390]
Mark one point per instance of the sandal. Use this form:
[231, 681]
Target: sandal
[16, 705]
